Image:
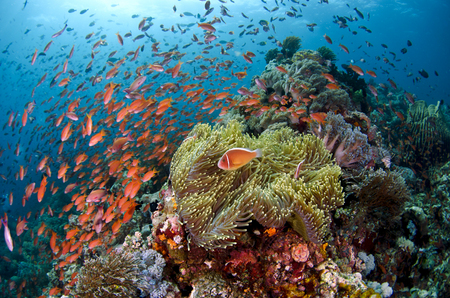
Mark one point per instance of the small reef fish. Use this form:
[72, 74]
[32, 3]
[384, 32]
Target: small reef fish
[281, 68]
[371, 73]
[207, 27]
[8, 238]
[319, 117]
[344, 48]
[237, 157]
[119, 38]
[59, 32]
[332, 86]
[329, 77]
[356, 69]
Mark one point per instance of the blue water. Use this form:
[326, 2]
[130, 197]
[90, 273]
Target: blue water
[25, 28]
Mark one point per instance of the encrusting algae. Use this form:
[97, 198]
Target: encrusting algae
[216, 205]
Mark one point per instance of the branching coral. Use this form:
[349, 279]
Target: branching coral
[216, 205]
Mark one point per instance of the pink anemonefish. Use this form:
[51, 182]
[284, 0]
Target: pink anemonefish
[237, 157]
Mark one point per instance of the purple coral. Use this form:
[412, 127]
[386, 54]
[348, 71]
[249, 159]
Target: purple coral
[151, 267]
[349, 145]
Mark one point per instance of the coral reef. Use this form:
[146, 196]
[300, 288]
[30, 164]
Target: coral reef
[307, 54]
[116, 274]
[124, 273]
[431, 133]
[349, 144]
[327, 53]
[271, 54]
[294, 181]
[291, 44]
[303, 72]
[349, 78]
[381, 192]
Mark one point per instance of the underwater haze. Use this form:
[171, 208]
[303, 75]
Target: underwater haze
[100, 111]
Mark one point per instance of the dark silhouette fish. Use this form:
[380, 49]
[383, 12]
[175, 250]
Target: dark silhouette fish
[409, 43]
[358, 13]
[72, 10]
[84, 11]
[423, 73]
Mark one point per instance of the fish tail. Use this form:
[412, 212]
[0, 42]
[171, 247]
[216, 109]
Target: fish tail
[258, 152]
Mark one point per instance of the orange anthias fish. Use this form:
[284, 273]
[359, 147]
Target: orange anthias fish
[356, 69]
[149, 175]
[96, 195]
[66, 132]
[119, 143]
[319, 117]
[281, 68]
[98, 223]
[332, 86]
[97, 138]
[237, 157]
[53, 241]
[176, 69]
[329, 77]
[163, 106]
[88, 124]
[42, 189]
[41, 229]
[371, 73]
[344, 48]
[21, 226]
[207, 27]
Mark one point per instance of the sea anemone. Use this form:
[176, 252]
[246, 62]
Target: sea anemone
[295, 181]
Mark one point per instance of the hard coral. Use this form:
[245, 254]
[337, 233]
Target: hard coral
[216, 205]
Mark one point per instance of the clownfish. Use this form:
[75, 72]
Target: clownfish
[237, 157]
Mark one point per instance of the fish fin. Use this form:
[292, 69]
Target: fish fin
[258, 152]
